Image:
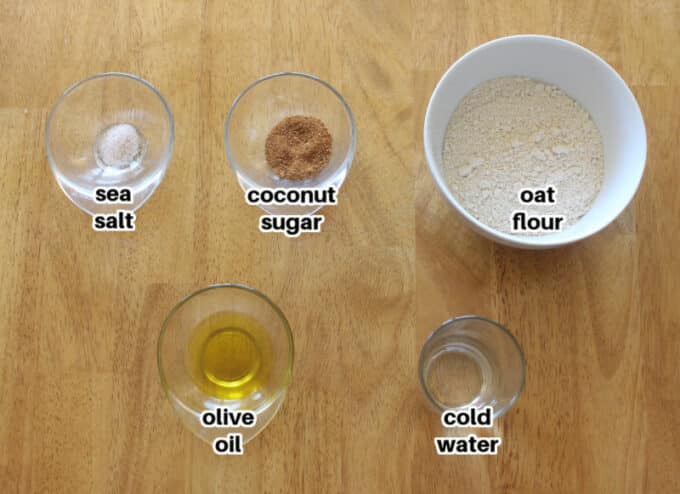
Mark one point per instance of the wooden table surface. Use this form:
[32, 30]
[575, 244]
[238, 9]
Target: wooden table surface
[81, 406]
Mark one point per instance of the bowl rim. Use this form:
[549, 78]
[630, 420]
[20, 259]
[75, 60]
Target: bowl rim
[349, 156]
[541, 241]
[167, 157]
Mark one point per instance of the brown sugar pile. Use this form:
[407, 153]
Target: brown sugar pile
[298, 147]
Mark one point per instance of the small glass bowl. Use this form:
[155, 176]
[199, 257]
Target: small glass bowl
[265, 103]
[472, 362]
[79, 119]
[185, 396]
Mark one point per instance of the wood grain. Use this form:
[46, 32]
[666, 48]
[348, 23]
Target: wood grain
[81, 407]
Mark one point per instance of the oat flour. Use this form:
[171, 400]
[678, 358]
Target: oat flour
[513, 133]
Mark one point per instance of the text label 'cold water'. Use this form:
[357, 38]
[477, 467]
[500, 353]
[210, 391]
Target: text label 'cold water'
[470, 444]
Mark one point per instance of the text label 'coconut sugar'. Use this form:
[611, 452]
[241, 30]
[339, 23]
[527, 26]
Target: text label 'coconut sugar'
[291, 225]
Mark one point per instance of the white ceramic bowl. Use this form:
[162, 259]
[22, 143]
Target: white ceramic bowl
[586, 78]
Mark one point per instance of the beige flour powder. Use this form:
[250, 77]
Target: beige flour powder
[513, 133]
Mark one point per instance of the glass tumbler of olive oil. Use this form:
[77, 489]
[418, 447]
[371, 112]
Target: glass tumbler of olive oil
[225, 346]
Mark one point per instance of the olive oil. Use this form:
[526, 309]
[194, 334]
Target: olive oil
[229, 356]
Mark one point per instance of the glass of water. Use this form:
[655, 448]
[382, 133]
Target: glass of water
[472, 362]
[111, 130]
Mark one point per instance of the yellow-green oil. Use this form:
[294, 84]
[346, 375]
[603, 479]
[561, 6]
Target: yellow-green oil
[229, 356]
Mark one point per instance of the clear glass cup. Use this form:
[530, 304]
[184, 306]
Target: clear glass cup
[174, 342]
[265, 103]
[471, 362]
[109, 130]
